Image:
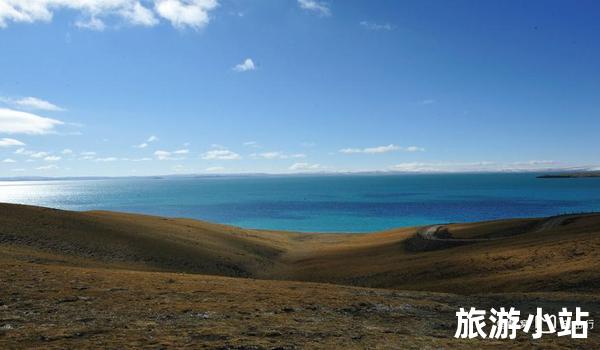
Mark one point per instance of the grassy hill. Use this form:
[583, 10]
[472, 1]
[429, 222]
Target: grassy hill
[101, 278]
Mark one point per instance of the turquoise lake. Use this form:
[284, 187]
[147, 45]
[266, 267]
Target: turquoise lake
[344, 203]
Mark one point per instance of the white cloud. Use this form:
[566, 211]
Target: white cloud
[315, 6]
[428, 101]
[52, 158]
[186, 13]
[376, 26]
[222, 154]
[149, 140]
[139, 15]
[47, 167]
[92, 23]
[483, 166]
[67, 151]
[17, 122]
[245, 66]
[18, 169]
[94, 13]
[304, 167]
[87, 155]
[9, 160]
[382, 149]
[168, 155]
[33, 103]
[144, 159]
[536, 162]
[107, 159]
[162, 155]
[445, 167]
[38, 154]
[276, 155]
[252, 144]
[6, 142]
[379, 149]
[414, 149]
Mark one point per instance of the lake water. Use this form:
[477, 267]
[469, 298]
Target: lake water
[346, 203]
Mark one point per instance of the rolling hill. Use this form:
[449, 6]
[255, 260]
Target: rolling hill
[90, 279]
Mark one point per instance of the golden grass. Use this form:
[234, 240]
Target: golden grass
[105, 279]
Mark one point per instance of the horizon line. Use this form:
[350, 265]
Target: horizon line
[322, 173]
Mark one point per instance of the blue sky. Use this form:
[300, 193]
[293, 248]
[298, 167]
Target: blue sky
[127, 87]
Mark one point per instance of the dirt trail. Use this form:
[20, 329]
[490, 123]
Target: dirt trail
[441, 234]
[555, 221]
[432, 233]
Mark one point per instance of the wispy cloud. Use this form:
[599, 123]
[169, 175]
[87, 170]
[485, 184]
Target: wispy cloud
[18, 122]
[376, 26]
[145, 144]
[413, 149]
[67, 151]
[32, 103]
[428, 101]
[252, 144]
[106, 159]
[162, 155]
[245, 66]
[381, 149]
[171, 155]
[482, 166]
[305, 167]
[91, 23]
[52, 158]
[87, 155]
[39, 154]
[47, 167]
[220, 154]
[319, 7]
[9, 160]
[94, 13]
[276, 155]
[7, 142]
[214, 169]
[537, 162]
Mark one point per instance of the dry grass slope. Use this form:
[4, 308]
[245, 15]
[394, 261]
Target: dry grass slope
[104, 279]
